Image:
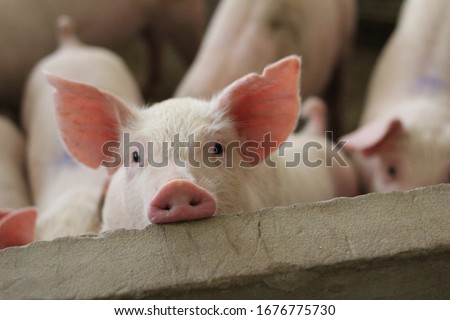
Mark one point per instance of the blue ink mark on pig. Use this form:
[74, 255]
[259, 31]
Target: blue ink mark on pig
[430, 84]
[65, 159]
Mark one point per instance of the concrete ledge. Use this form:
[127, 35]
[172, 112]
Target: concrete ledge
[373, 246]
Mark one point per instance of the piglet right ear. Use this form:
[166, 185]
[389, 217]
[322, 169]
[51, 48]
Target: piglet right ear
[371, 136]
[265, 104]
[88, 118]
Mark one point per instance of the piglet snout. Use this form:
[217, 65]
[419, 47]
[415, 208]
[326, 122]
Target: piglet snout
[181, 200]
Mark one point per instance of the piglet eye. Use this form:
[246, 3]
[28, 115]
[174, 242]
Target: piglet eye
[136, 157]
[217, 149]
[392, 171]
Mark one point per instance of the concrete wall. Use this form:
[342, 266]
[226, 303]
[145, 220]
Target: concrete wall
[373, 246]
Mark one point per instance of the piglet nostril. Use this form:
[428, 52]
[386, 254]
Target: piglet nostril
[194, 202]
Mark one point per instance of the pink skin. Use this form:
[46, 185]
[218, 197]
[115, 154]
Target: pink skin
[244, 111]
[315, 111]
[28, 39]
[245, 36]
[181, 200]
[17, 227]
[404, 139]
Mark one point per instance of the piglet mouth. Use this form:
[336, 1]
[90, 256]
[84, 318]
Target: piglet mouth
[181, 200]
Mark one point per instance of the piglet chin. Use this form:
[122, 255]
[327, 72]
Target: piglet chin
[181, 200]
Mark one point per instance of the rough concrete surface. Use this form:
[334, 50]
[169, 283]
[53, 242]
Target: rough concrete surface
[373, 246]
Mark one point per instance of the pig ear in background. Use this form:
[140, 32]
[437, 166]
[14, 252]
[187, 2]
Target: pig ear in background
[267, 103]
[314, 110]
[369, 137]
[87, 118]
[17, 227]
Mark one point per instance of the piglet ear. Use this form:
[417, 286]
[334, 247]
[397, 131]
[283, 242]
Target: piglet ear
[87, 119]
[314, 109]
[371, 136]
[265, 104]
[17, 227]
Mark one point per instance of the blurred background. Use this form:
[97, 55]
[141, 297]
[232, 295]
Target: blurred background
[376, 21]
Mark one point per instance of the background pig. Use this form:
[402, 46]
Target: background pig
[67, 194]
[404, 138]
[245, 36]
[26, 33]
[14, 192]
[16, 225]
[141, 192]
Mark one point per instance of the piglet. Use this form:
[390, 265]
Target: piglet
[185, 159]
[17, 227]
[67, 194]
[404, 138]
[16, 224]
[14, 192]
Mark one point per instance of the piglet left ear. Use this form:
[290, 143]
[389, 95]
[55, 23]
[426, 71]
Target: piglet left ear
[370, 137]
[265, 104]
[88, 119]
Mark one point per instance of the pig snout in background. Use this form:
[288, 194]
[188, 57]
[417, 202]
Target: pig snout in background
[67, 195]
[159, 38]
[245, 36]
[404, 138]
[141, 192]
